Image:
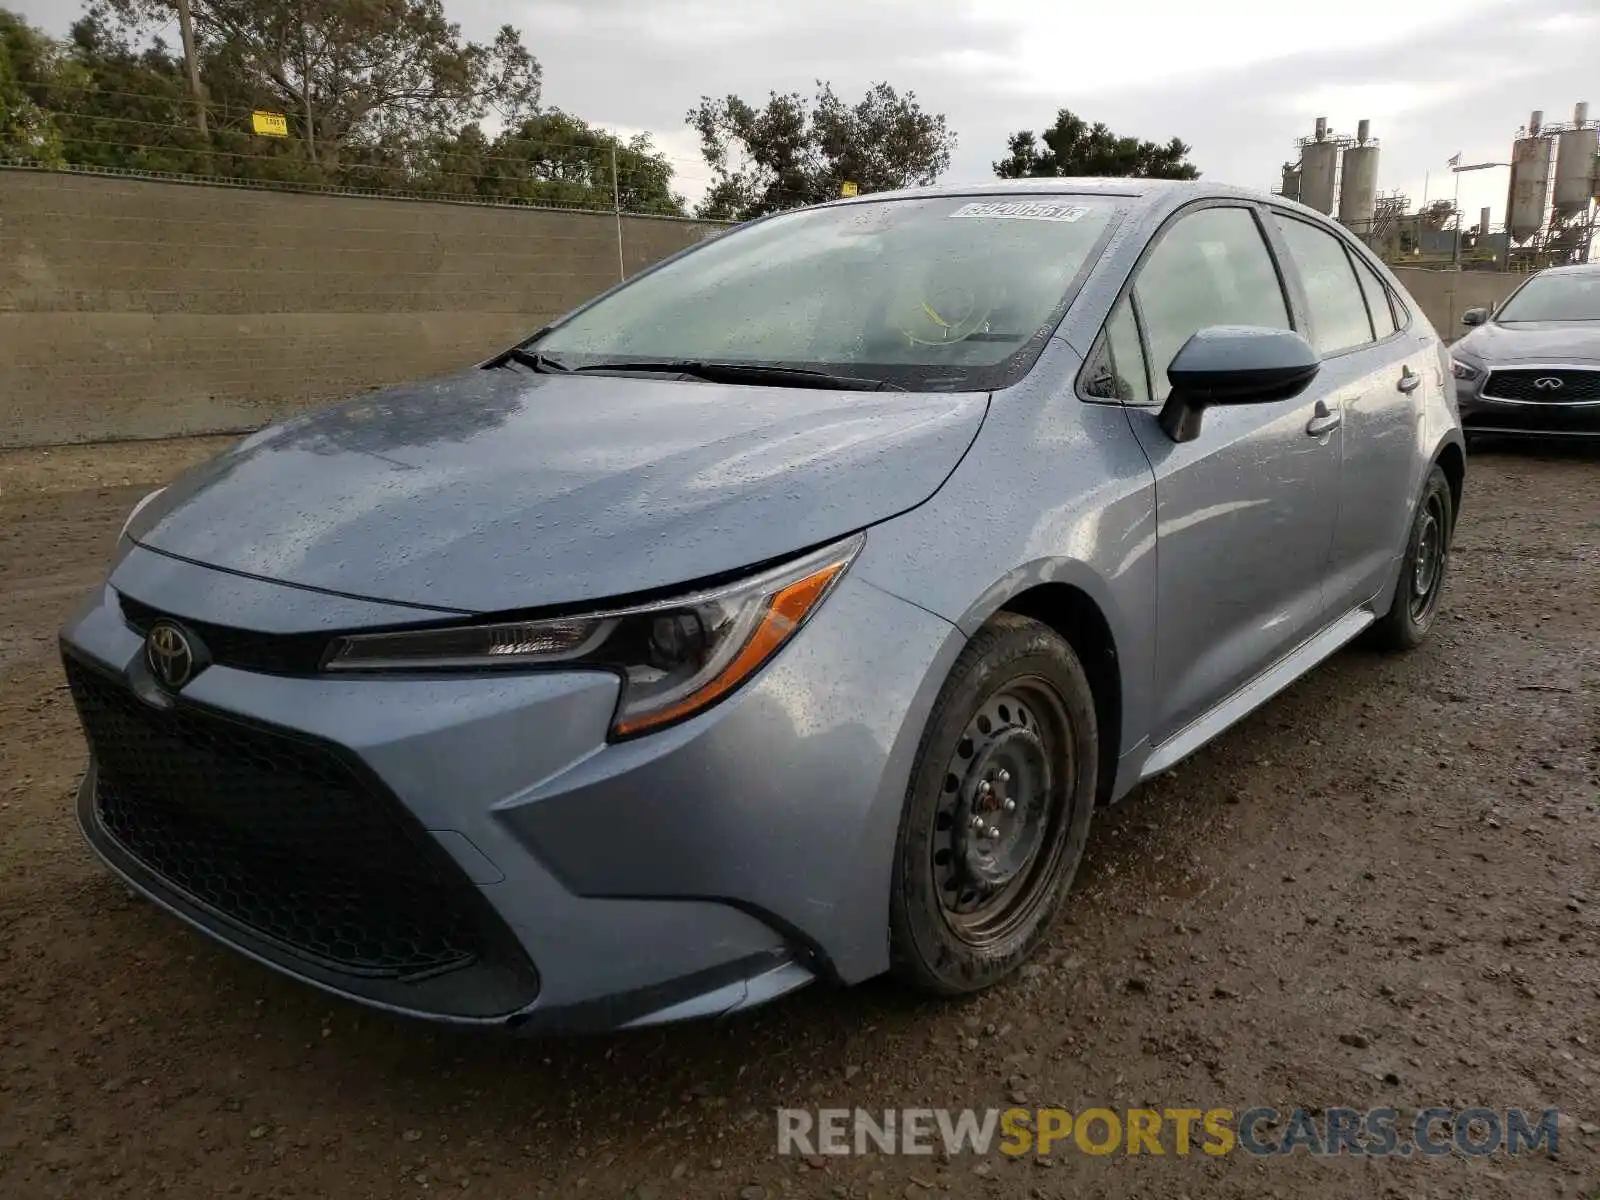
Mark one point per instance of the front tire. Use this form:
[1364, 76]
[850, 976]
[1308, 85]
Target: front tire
[1422, 569]
[998, 810]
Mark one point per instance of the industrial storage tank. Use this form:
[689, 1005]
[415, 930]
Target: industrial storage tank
[1575, 165]
[1358, 190]
[1319, 168]
[1291, 181]
[1530, 181]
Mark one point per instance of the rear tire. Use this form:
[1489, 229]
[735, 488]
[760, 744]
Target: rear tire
[998, 809]
[1422, 569]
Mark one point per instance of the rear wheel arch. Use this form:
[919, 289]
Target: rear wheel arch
[1453, 462]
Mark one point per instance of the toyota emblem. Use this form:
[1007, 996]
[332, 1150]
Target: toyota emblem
[169, 654]
[1547, 383]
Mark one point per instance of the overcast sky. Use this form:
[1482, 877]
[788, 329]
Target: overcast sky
[1239, 80]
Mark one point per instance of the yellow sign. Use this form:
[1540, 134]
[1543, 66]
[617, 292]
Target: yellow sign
[847, 189]
[270, 124]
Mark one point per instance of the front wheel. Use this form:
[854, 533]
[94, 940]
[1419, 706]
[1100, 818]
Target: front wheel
[998, 810]
[1422, 569]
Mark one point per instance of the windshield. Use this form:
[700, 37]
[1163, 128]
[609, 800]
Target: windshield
[946, 293]
[1573, 297]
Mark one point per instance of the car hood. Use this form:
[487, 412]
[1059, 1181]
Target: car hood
[1549, 342]
[498, 489]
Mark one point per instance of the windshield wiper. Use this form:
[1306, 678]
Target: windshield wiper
[533, 360]
[719, 372]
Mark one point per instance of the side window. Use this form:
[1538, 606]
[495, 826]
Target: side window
[1118, 371]
[1383, 319]
[1210, 268]
[1401, 314]
[1338, 313]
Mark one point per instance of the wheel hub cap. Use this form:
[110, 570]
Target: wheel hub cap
[1003, 799]
[995, 808]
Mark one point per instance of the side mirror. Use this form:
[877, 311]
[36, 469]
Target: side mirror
[1475, 316]
[1234, 364]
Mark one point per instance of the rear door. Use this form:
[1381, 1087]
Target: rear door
[1245, 512]
[1374, 371]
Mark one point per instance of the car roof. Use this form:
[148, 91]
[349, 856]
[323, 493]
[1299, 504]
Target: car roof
[1572, 269]
[1150, 191]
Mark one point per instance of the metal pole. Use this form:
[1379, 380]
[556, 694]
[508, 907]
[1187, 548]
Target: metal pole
[616, 204]
[1511, 184]
[1455, 242]
[186, 31]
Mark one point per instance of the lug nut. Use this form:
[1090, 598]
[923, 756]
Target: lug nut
[985, 788]
[977, 822]
[1011, 806]
[1004, 776]
[994, 831]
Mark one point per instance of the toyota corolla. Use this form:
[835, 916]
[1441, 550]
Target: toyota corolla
[781, 615]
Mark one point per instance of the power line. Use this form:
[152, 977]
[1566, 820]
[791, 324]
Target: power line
[404, 194]
[189, 132]
[239, 113]
[411, 173]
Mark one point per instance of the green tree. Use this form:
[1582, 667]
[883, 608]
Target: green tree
[115, 95]
[121, 106]
[1437, 215]
[553, 157]
[1074, 147]
[29, 62]
[793, 151]
[98, 99]
[352, 73]
[556, 157]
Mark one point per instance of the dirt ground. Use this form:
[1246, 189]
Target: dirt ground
[1382, 889]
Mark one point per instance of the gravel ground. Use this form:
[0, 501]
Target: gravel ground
[1383, 889]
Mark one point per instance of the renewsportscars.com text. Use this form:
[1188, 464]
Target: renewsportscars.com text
[1261, 1130]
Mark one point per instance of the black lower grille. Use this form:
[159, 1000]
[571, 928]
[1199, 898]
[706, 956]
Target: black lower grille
[283, 837]
[1556, 385]
[1536, 418]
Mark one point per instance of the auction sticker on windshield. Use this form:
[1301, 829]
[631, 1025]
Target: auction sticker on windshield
[1021, 210]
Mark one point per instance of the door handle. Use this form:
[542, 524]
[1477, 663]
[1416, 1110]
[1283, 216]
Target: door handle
[1323, 421]
[1409, 379]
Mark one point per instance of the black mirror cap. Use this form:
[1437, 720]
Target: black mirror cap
[1475, 316]
[1234, 364]
[1242, 364]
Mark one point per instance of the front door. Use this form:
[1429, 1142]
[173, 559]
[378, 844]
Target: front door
[1246, 511]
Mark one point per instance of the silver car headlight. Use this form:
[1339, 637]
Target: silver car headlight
[1462, 369]
[676, 657]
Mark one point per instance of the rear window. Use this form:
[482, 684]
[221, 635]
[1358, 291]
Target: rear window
[946, 293]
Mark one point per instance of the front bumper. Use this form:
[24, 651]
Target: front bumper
[1482, 414]
[577, 885]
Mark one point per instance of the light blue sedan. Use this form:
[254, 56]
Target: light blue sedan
[782, 615]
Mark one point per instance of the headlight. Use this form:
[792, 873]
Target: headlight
[676, 657]
[1464, 370]
[137, 509]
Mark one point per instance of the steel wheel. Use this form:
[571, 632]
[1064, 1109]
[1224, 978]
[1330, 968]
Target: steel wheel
[1423, 567]
[998, 810]
[1427, 557]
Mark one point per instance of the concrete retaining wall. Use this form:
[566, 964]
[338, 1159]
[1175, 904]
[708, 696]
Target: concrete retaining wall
[1445, 295]
[132, 308]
